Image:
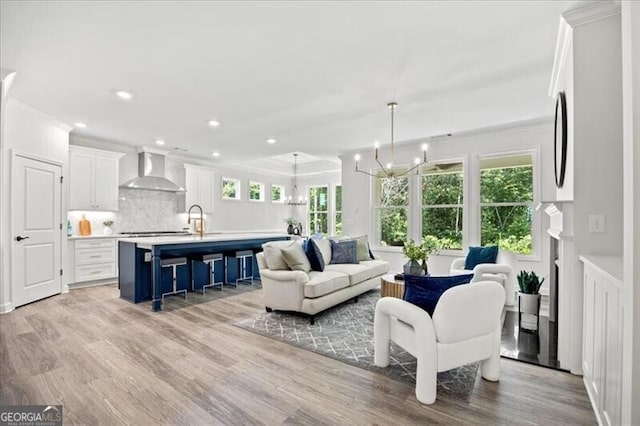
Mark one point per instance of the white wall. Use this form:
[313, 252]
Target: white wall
[536, 136]
[27, 131]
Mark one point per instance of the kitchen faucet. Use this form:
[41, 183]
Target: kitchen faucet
[201, 218]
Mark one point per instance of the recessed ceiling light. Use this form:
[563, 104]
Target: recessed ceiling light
[159, 142]
[213, 123]
[271, 141]
[80, 125]
[124, 95]
[215, 154]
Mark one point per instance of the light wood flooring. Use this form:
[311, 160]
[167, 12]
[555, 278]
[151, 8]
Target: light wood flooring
[112, 362]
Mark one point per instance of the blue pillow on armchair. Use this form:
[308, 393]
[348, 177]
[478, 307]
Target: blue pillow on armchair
[425, 291]
[477, 255]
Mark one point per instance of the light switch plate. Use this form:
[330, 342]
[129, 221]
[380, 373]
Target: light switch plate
[596, 223]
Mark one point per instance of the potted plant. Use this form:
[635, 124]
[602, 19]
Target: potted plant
[416, 254]
[431, 245]
[529, 296]
[107, 227]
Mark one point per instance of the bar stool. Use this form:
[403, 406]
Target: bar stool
[210, 260]
[173, 263]
[245, 260]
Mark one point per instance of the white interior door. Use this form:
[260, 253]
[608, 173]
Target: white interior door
[36, 234]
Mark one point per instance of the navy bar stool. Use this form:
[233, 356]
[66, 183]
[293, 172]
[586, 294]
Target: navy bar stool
[210, 260]
[244, 261]
[173, 263]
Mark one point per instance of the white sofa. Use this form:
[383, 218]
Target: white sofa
[313, 292]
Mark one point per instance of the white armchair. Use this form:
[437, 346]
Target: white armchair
[465, 328]
[503, 272]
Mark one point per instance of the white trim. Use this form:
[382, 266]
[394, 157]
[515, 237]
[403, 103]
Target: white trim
[93, 151]
[565, 37]
[585, 13]
[5, 308]
[44, 116]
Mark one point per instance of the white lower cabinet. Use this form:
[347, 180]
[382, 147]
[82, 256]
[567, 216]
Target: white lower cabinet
[95, 259]
[602, 340]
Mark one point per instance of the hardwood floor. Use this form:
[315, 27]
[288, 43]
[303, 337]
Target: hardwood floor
[112, 362]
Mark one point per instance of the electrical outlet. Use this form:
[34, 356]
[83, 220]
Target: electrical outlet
[596, 223]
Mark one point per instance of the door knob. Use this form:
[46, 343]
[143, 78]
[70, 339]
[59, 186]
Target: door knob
[20, 238]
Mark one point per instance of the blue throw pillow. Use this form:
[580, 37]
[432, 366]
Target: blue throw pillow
[478, 255]
[344, 251]
[315, 256]
[425, 291]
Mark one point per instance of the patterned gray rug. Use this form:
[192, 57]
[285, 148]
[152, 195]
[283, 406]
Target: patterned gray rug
[345, 333]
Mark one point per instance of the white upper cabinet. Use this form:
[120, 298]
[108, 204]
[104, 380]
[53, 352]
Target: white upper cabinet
[93, 180]
[200, 185]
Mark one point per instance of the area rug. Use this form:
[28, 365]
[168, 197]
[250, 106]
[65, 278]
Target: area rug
[345, 333]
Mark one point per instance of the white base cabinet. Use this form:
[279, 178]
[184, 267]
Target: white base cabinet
[602, 340]
[95, 259]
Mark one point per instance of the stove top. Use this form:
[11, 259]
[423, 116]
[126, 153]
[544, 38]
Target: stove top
[133, 234]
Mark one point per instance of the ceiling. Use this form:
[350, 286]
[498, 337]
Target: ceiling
[316, 76]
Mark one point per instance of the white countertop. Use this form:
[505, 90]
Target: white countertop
[148, 242]
[94, 236]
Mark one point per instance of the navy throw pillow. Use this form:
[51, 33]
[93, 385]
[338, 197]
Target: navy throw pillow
[425, 291]
[344, 251]
[478, 255]
[315, 256]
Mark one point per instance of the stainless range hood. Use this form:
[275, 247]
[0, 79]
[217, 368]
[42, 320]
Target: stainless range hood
[151, 174]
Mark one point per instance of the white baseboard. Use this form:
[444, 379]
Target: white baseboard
[5, 308]
[73, 286]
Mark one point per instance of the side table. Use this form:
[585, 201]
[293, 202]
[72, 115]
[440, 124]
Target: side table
[391, 287]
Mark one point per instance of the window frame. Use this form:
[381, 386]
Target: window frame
[310, 228]
[238, 188]
[375, 202]
[282, 193]
[466, 200]
[334, 209]
[535, 184]
[261, 185]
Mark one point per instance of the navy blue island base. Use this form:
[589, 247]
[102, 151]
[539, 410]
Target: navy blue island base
[139, 262]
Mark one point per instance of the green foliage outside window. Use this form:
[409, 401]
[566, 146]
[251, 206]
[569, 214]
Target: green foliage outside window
[506, 213]
[393, 196]
[318, 209]
[338, 210]
[277, 193]
[442, 200]
[230, 188]
[255, 191]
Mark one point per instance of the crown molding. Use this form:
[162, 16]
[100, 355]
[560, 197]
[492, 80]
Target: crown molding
[46, 117]
[587, 12]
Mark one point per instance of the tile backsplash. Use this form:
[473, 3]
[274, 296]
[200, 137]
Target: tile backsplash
[143, 210]
[139, 211]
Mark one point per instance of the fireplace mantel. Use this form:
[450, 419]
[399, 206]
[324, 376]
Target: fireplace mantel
[560, 219]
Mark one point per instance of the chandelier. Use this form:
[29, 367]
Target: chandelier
[387, 170]
[291, 201]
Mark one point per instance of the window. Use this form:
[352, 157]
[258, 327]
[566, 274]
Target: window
[442, 188]
[338, 210]
[318, 210]
[277, 194]
[506, 201]
[230, 189]
[392, 201]
[256, 191]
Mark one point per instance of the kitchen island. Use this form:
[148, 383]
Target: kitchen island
[140, 271]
